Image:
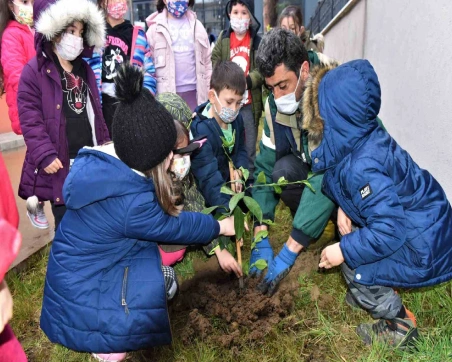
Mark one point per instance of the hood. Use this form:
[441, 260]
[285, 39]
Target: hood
[52, 17]
[98, 174]
[344, 115]
[255, 25]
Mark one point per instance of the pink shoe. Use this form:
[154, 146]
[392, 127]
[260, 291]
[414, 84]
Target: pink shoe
[110, 357]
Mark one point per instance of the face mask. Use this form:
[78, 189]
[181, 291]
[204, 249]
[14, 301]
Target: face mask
[240, 26]
[25, 14]
[177, 8]
[180, 167]
[227, 115]
[69, 47]
[117, 10]
[288, 103]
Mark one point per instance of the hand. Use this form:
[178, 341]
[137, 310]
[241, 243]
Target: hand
[331, 256]
[278, 270]
[262, 250]
[344, 223]
[238, 185]
[228, 262]
[54, 166]
[6, 305]
[227, 226]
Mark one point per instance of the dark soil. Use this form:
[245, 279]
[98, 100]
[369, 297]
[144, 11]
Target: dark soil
[212, 307]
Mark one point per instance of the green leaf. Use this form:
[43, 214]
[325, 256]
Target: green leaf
[261, 235]
[239, 222]
[261, 179]
[208, 210]
[254, 207]
[245, 173]
[246, 268]
[260, 264]
[235, 200]
[226, 190]
[282, 181]
[277, 189]
[268, 222]
[308, 185]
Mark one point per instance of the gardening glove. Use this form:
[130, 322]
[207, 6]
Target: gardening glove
[262, 250]
[278, 270]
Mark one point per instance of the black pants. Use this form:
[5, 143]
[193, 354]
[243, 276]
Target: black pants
[109, 105]
[293, 169]
[58, 212]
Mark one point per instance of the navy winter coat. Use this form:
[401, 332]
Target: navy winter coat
[104, 290]
[209, 165]
[404, 237]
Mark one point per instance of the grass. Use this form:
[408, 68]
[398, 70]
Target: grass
[321, 327]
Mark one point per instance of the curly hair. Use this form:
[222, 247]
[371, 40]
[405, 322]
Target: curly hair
[161, 5]
[280, 46]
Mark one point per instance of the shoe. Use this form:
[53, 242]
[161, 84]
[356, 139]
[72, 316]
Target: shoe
[397, 332]
[170, 281]
[109, 357]
[38, 219]
[351, 301]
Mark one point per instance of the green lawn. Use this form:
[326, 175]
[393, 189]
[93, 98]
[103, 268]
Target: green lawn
[320, 328]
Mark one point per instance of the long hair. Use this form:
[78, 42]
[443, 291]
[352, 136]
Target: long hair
[6, 16]
[294, 12]
[167, 193]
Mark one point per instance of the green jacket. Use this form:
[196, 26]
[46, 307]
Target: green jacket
[254, 81]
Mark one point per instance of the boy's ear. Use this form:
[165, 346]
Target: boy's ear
[211, 96]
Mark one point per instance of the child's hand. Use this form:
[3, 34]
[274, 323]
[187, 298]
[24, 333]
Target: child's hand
[344, 223]
[331, 256]
[227, 226]
[54, 166]
[238, 176]
[228, 263]
[6, 305]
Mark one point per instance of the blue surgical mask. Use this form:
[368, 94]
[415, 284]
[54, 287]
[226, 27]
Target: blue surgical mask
[227, 115]
[177, 8]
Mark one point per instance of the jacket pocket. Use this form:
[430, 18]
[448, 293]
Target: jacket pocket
[160, 54]
[124, 290]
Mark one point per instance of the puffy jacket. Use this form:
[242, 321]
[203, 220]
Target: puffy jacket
[40, 101]
[209, 165]
[16, 50]
[404, 235]
[159, 40]
[104, 288]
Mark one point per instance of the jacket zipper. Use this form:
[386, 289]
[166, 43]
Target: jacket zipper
[124, 291]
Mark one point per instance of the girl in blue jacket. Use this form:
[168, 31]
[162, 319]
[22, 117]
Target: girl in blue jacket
[403, 234]
[105, 291]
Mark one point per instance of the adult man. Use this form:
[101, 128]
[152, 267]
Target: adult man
[285, 64]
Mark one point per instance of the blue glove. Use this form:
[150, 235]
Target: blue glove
[262, 250]
[278, 270]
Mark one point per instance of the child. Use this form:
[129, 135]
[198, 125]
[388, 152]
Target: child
[10, 349]
[125, 42]
[240, 43]
[404, 221]
[219, 118]
[58, 102]
[181, 51]
[105, 290]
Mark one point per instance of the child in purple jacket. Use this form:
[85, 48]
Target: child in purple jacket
[58, 101]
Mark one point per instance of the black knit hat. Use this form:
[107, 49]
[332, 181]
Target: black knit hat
[143, 130]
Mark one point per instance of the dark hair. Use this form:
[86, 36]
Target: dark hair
[161, 5]
[293, 12]
[182, 132]
[280, 46]
[228, 75]
[7, 15]
[235, 2]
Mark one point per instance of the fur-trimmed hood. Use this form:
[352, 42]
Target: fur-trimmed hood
[52, 17]
[340, 106]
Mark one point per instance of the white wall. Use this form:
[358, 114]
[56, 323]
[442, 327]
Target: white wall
[409, 44]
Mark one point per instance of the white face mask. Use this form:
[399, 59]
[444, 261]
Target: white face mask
[240, 26]
[69, 47]
[288, 103]
[180, 167]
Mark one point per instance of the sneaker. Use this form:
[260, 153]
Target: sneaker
[170, 281]
[351, 301]
[39, 220]
[109, 357]
[397, 332]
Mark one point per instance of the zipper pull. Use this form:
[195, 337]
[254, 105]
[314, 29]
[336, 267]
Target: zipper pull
[124, 304]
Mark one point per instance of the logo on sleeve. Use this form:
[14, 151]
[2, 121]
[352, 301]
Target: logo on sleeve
[365, 191]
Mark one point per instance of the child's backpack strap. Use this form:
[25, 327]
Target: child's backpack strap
[136, 29]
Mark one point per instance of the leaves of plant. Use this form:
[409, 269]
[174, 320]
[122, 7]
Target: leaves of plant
[308, 185]
[239, 222]
[226, 190]
[245, 173]
[234, 201]
[261, 235]
[268, 222]
[282, 181]
[260, 264]
[254, 207]
[277, 189]
[208, 210]
[261, 179]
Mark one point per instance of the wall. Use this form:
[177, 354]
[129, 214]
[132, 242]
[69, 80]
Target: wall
[408, 43]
